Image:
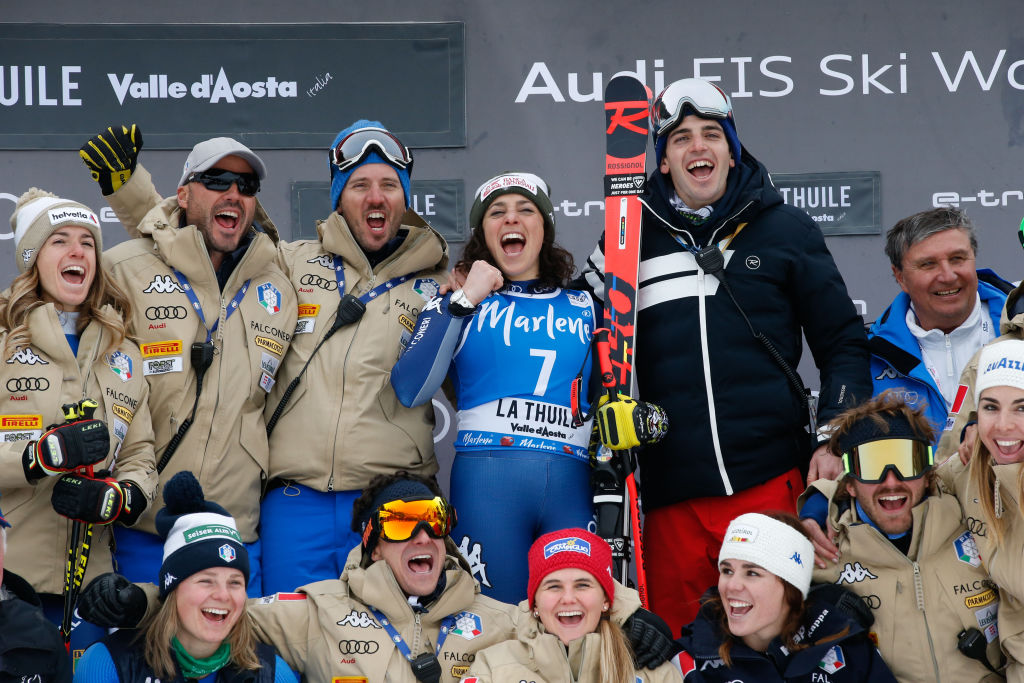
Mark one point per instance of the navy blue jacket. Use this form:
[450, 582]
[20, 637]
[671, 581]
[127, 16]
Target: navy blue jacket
[31, 648]
[735, 420]
[849, 658]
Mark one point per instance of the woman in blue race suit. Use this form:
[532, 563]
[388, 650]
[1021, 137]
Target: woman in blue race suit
[510, 340]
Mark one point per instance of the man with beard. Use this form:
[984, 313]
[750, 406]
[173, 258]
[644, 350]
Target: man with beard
[213, 315]
[902, 546]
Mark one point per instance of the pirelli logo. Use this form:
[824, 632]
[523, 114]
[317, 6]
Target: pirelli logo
[407, 322]
[164, 348]
[21, 421]
[270, 345]
[122, 412]
[986, 597]
[309, 310]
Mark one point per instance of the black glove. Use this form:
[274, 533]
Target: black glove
[99, 500]
[651, 639]
[112, 155]
[65, 448]
[844, 600]
[628, 423]
[112, 601]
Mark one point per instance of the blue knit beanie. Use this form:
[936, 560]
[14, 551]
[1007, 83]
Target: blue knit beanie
[339, 178]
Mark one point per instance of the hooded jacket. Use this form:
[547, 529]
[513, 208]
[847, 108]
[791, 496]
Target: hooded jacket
[896, 362]
[226, 446]
[345, 396]
[30, 647]
[38, 379]
[838, 651]
[922, 600]
[1011, 326]
[537, 656]
[736, 420]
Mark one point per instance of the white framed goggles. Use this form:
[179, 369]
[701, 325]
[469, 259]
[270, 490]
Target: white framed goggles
[354, 147]
[706, 99]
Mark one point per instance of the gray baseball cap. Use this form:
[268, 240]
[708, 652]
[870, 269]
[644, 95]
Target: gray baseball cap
[207, 153]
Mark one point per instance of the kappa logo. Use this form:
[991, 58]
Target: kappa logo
[26, 356]
[472, 552]
[854, 573]
[434, 304]
[162, 284]
[358, 647]
[324, 260]
[359, 620]
[169, 579]
[317, 281]
[887, 373]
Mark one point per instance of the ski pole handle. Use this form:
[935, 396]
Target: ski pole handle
[604, 359]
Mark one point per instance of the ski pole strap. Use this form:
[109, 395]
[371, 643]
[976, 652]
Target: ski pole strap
[425, 667]
[190, 293]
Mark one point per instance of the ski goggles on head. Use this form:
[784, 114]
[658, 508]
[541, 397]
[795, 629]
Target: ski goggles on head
[401, 520]
[706, 99]
[357, 144]
[870, 463]
[219, 180]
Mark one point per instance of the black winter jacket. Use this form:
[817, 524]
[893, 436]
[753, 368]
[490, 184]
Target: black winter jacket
[30, 645]
[849, 658]
[735, 421]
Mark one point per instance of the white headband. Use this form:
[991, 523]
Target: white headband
[773, 545]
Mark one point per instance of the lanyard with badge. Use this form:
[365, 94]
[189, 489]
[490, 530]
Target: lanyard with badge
[425, 667]
[350, 309]
[201, 357]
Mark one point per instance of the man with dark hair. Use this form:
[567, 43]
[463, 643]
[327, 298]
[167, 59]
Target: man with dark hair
[406, 606]
[213, 315]
[903, 547]
[731, 280]
[30, 647]
[945, 313]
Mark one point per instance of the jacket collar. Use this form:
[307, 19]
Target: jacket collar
[422, 249]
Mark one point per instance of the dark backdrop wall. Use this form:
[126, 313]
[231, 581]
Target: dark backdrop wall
[879, 109]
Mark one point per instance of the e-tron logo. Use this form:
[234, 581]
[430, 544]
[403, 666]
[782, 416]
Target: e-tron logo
[979, 198]
[28, 384]
[317, 281]
[358, 647]
[166, 313]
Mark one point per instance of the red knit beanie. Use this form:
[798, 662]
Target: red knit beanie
[570, 549]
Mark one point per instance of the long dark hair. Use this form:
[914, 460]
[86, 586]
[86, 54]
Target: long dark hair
[555, 266]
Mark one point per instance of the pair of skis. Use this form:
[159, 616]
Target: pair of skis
[627, 107]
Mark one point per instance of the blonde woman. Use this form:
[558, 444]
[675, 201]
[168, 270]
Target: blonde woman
[62, 337]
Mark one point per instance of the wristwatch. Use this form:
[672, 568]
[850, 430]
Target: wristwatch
[460, 305]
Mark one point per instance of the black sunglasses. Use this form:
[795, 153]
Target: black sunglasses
[219, 180]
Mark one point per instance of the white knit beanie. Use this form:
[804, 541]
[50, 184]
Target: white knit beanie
[773, 545]
[1001, 364]
[38, 214]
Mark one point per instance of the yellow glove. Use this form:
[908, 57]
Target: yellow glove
[112, 155]
[628, 423]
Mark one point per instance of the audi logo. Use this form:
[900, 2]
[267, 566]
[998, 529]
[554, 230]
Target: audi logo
[166, 313]
[872, 601]
[317, 281]
[28, 384]
[358, 647]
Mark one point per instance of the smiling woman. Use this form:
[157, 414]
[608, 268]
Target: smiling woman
[758, 623]
[201, 631]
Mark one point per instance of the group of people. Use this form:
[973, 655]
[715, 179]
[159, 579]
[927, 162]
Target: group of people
[207, 360]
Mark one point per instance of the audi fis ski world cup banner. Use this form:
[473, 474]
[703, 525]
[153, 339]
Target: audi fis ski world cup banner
[272, 86]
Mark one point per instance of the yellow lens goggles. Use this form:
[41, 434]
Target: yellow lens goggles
[870, 462]
[400, 520]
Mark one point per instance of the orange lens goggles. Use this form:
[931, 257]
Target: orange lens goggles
[400, 520]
